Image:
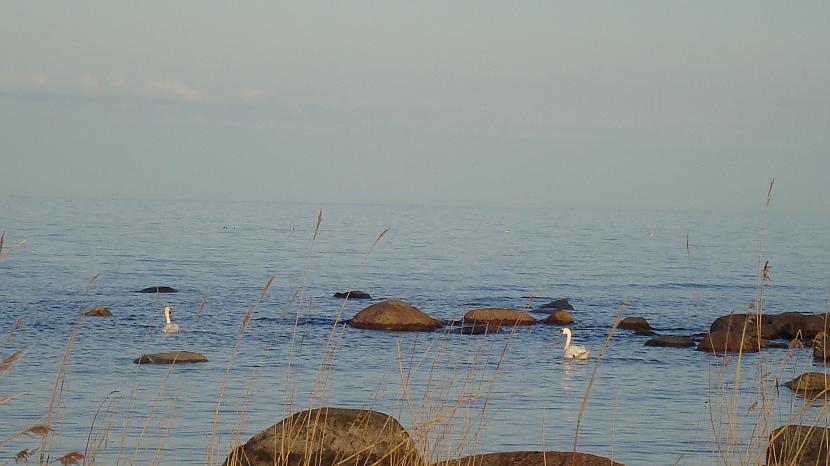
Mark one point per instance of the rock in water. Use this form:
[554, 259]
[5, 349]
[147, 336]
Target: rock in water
[671, 341]
[798, 445]
[329, 436]
[809, 383]
[559, 318]
[531, 458]
[635, 323]
[394, 315]
[177, 357]
[737, 324]
[724, 342]
[353, 294]
[98, 311]
[498, 316]
[478, 329]
[561, 304]
[158, 289]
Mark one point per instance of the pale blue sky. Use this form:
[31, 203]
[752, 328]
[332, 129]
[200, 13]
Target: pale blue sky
[689, 105]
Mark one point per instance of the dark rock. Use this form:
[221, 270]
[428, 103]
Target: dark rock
[559, 318]
[478, 329]
[812, 325]
[352, 294]
[634, 323]
[158, 289]
[722, 342]
[177, 357]
[329, 436]
[735, 323]
[498, 316]
[98, 311]
[531, 458]
[645, 332]
[788, 324]
[809, 383]
[671, 341]
[562, 304]
[394, 315]
[798, 445]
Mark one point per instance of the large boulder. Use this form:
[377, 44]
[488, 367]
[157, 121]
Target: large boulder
[788, 324]
[173, 357]
[809, 383]
[98, 311]
[394, 315]
[736, 323]
[158, 289]
[328, 436]
[559, 318]
[353, 294]
[798, 445]
[812, 325]
[671, 341]
[635, 323]
[498, 316]
[531, 458]
[723, 342]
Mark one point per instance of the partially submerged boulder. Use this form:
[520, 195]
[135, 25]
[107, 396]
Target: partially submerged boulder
[353, 294]
[531, 458]
[559, 318]
[799, 445]
[158, 289]
[499, 316]
[174, 357]
[727, 342]
[752, 325]
[635, 323]
[394, 315]
[562, 304]
[98, 311]
[811, 383]
[328, 436]
[671, 341]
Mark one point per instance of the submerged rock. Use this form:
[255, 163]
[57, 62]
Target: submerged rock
[671, 341]
[647, 332]
[798, 445]
[635, 323]
[352, 294]
[559, 318]
[158, 289]
[499, 316]
[98, 311]
[174, 357]
[329, 436]
[394, 315]
[478, 329]
[809, 383]
[531, 458]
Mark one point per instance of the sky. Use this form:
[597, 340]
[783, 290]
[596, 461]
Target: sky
[633, 105]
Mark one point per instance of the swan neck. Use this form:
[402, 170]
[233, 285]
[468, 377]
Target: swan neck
[567, 340]
[167, 315]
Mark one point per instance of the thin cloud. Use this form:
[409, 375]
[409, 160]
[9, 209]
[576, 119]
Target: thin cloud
[170, 89]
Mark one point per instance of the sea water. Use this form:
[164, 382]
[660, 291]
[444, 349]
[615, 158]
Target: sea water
[460, 394]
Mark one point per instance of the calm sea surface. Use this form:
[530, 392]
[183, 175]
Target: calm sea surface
[476, 393]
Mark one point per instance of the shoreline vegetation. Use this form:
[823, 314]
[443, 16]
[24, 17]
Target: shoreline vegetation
[445, 424]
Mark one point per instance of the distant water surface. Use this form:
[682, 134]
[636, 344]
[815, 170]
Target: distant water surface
[647, 405]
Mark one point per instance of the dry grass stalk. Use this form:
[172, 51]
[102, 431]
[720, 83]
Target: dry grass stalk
[6, 399]
[9, 361]
[7, 252]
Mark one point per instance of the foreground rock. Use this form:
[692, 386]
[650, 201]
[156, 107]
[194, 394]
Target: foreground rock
[478, 329]
[394, 315]
[798, 445]
[811, 383]
[671, 341]
[353, 294]
[531, 458]
[559, 318]
[727, 342]
[499, 316]
[158, 289]
[328, 436]
[99, 311]
[635, 323]
[177, 357]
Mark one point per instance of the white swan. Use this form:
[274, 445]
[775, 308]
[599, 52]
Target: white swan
[572, 352]
[169, 327]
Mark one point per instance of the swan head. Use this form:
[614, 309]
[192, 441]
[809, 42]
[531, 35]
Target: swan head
[565, 331]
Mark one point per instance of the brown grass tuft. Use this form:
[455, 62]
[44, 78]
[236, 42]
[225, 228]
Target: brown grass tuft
[39, 429]
[68, 459]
